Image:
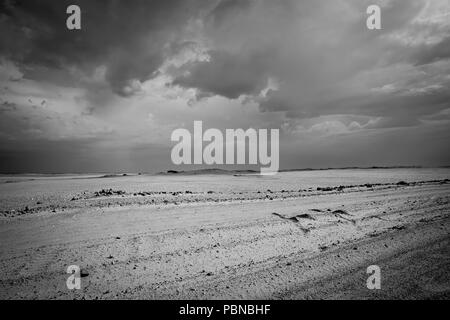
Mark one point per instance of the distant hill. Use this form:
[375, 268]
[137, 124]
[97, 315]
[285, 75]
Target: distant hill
[243, 172]
[208, 171]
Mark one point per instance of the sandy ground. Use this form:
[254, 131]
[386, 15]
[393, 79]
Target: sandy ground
[305, 243]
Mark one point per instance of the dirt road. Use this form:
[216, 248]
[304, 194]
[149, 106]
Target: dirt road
[296, 247]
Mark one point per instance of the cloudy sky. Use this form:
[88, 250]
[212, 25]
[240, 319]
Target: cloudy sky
[107, 97]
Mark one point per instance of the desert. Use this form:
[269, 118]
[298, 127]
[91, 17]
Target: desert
[296, 235]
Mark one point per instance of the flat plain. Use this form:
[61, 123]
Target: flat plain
[295, 235]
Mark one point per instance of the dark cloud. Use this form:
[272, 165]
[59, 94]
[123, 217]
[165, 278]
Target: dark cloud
[79, 156]
[324, 59]
[227, 9]
[228, 75]
[342, 94]
[432, 53]
[130, 38]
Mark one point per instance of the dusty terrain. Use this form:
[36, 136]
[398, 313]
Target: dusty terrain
[295, 236]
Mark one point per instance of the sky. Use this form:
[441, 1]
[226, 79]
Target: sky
[106, 98]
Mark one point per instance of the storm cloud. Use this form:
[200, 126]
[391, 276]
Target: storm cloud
[130, 39]
[325, 60]
[139, 69]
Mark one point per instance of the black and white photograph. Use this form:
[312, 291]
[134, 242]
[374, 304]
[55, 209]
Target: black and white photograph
[231, 150]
